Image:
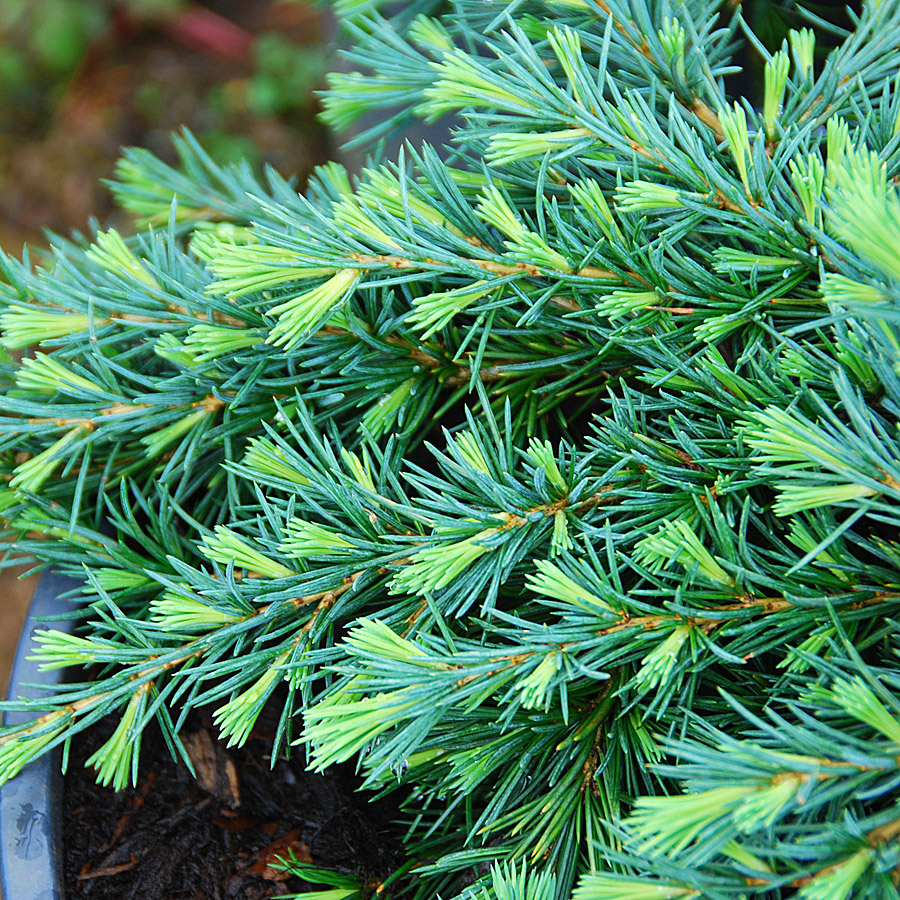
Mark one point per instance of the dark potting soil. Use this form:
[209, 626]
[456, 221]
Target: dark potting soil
[213, 837]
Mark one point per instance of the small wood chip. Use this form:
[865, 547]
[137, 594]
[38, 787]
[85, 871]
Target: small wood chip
[282, 848]
[215, 769]
[105, 872]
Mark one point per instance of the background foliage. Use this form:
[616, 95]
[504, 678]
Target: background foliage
[80, 78]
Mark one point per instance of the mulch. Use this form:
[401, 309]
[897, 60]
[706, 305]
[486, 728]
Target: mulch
[216, 836]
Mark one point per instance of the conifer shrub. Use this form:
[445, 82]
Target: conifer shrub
[553, 479]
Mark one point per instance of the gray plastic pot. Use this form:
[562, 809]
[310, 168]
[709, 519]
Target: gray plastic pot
[31, 803]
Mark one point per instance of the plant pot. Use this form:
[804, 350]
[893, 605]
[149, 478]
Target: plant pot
[31, 803]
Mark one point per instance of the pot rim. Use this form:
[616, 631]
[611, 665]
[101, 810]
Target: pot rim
[31, 840]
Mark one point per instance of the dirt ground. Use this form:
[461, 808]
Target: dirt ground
[223, 831]
[15, 595]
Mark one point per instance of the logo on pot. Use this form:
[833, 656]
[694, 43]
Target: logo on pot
[32, 825]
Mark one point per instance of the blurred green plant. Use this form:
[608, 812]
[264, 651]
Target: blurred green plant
[42, 42]
[52, 34]
[285, 76]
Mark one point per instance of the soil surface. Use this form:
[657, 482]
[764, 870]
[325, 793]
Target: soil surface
[213, 837]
